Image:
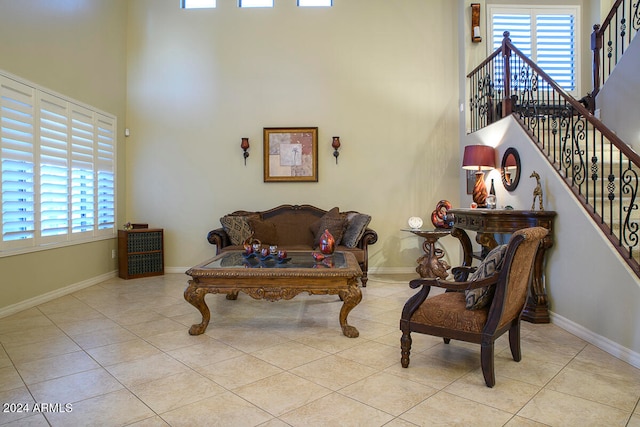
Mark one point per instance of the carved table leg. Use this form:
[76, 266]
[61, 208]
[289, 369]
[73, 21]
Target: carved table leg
[536, 309]
[195, 297]
[351, 298]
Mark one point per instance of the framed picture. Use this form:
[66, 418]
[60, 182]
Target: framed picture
[291, 154]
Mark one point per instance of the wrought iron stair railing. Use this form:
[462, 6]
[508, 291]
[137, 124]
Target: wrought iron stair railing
[610, 40]
[600, 169]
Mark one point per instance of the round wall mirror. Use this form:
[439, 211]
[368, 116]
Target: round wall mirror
[510, 169]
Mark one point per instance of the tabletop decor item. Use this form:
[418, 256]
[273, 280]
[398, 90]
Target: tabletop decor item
[327, 243]
[479, 158]
[439, 215]
[415, 222]
[537, 192]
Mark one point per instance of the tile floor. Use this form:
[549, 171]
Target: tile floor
[118, 353]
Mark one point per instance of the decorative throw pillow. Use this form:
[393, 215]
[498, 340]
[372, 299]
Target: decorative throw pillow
[237, 228]
[264, 231]
[492, 264]
[332, 221]
[356, 224]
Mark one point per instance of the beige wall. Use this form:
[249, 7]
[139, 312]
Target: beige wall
[76, 48]
[382, 75]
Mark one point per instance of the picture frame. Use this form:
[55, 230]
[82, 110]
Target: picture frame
[290, 154]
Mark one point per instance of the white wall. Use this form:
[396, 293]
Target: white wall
[591, 290]
[618, 98]
[381, 75]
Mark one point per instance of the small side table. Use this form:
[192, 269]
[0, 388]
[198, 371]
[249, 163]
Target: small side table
[431, 263]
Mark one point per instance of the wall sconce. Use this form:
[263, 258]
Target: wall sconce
[245, 146]
[336, 144]
[475, 23]
[479, 158]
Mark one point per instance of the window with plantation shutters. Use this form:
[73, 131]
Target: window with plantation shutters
[547, 35]
[57, 169]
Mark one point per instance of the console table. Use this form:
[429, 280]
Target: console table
[486, 223]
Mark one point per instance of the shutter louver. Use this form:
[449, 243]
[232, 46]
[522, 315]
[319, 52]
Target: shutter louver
[17, 124]
[105, 167]
[82, 179]
[54, 168]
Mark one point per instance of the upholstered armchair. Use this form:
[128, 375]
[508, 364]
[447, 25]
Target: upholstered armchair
[504, 292]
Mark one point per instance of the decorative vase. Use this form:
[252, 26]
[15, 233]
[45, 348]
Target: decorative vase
[327, 243]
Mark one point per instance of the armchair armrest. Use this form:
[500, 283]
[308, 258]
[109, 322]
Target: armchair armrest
[219, 238]
[461, 274]
[454, 286]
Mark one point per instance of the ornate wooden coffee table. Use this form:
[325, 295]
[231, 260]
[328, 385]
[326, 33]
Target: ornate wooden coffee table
[232, 272]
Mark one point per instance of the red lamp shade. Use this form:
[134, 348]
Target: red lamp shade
[479, 157]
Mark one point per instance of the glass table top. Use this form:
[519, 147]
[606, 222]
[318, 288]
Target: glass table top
[293, 260]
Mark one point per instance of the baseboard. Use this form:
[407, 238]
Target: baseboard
[49, 296]
[605, 344]
[391, 270]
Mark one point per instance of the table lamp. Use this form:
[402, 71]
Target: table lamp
[479, 158]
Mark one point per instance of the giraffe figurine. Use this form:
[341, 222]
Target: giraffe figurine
[537, 192]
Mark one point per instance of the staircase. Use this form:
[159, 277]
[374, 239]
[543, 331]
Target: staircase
[600, 169]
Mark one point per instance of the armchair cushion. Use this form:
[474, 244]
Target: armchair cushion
[356, 225]
[481, 297]
[448, 311]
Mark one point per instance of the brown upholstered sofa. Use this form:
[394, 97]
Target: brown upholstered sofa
[297, 227]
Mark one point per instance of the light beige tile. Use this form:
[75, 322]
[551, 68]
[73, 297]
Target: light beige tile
[330, 341]
[155, 421]
[399, 422]
[174, 391]
[4, 359]
[205, 353]
[23, 321]
[84, 326]
[146, 369]
[553, 408]
[84, 313]
[336, 410]
[247, 340]
[60, 344]
[229, 410]
[19, 337]
[289, 355]
[75, 387]
[281, 393]
[592, 359]
[432, 372]
[37, 420]
[176, 339]
[238, 371]
[523, 422]
[389, 393]
[56, 366]
[103, 337]
[536, 347]
[62, 304]
[634, 421]
[20, 397]
[373, 354]
[333, 372]
[447, 409]
[508, 395]
[621, 393]
[529, 370]
[155, 327]
[10, 379]
[96, 410]
[122, 352]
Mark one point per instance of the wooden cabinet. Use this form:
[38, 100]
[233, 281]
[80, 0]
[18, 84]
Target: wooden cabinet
[140, 252]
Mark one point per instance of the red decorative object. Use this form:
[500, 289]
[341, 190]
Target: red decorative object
[439, 215]
[327, 243]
